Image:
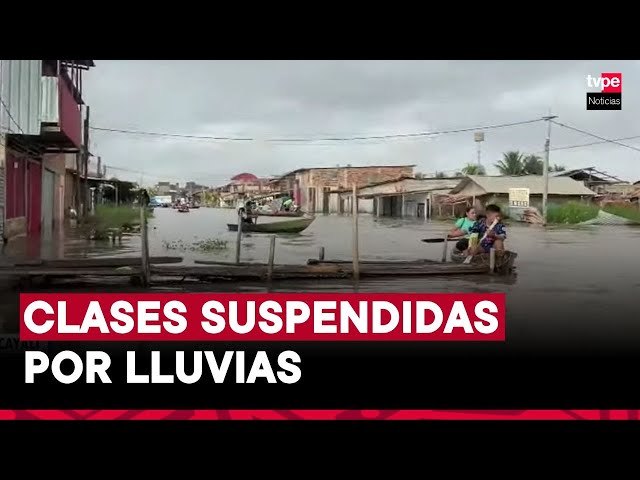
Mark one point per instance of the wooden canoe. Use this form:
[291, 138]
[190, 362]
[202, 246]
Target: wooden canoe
[278, 214]
[504, 262]
[287, 226]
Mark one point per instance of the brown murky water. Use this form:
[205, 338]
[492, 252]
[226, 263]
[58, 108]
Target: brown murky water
[589, 271]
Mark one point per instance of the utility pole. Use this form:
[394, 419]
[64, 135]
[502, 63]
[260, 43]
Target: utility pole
[86, 163]
[545, 168]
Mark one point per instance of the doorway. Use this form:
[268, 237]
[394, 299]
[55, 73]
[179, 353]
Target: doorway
[34, 197]
[311, 207]
[325, 200]
[48, 203]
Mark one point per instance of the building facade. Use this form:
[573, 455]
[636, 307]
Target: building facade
[41, 120]
[325, 189]
[407, 197]
[242, 186]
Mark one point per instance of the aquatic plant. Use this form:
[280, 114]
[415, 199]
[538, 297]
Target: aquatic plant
[571, 213]
[109, 219]
[209, 245]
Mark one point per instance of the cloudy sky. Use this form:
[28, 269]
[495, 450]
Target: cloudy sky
[267, 100]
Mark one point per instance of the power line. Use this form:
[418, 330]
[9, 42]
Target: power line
[169, 135]
[311, 140]
[10, 116]
[605, 140]
[634, 137]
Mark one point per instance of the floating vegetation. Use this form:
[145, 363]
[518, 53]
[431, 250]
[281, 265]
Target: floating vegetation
[110, 221]
[210, 245]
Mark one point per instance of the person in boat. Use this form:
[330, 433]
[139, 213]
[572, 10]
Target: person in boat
[495, 237]
[287, 204]
[462, 227]
[245, 212]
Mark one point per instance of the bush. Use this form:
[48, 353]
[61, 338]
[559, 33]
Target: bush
[571, 213]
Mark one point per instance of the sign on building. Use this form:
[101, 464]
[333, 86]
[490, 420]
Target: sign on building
[519, 198]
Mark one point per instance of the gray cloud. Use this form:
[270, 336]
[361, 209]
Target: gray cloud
[314, 99]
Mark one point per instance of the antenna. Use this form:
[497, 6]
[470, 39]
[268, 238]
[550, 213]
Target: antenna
[478, 137]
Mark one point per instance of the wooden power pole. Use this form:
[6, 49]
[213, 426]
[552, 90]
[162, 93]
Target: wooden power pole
[85, 151]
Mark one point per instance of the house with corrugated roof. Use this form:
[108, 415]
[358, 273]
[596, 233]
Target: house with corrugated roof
[321, 189]
[407, 196]
[484, 190]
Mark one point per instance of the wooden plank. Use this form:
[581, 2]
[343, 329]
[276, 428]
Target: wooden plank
[97, 262]
[321, 270]
[231, 264]
[420, 261]
[68, 272]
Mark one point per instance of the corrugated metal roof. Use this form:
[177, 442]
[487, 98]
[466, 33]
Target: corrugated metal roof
[408, 186]
[535, 184]
[20, 91]
[50, 108]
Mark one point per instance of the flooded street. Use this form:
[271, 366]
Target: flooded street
[593, 271]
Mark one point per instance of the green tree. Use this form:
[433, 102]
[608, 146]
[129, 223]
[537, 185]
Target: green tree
[473, 169]
[558, 168]
[441, 175]
[512, 163]
[532, 165]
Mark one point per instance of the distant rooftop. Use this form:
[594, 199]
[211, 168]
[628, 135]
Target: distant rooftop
[341, 166]
[590, 174]
[535, 184]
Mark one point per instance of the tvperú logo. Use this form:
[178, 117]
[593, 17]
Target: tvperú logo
[609, 94]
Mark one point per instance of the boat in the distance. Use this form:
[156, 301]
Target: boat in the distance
[288, 226]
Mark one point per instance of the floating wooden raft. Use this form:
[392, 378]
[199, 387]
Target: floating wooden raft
[75, 263]
[320, 270]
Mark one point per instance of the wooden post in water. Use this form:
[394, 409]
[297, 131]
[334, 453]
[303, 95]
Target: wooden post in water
[239, 238]
[272, 252]
[355, 251]
[144, 246]
[492, 260]
[321, 254]
[445, 247]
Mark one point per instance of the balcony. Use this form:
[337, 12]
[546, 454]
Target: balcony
[61, 116]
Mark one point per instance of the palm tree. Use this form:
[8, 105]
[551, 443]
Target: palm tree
[511, 163]
[532, 165]
[473, 169]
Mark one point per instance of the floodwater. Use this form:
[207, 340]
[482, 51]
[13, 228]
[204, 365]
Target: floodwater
[592, 271]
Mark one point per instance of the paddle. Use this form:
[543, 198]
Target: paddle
[440, 240]
[470, 257]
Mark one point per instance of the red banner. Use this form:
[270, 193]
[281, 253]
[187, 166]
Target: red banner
[262, 317]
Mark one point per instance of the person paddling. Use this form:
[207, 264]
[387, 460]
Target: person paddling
[462, 228]
[489, 237]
